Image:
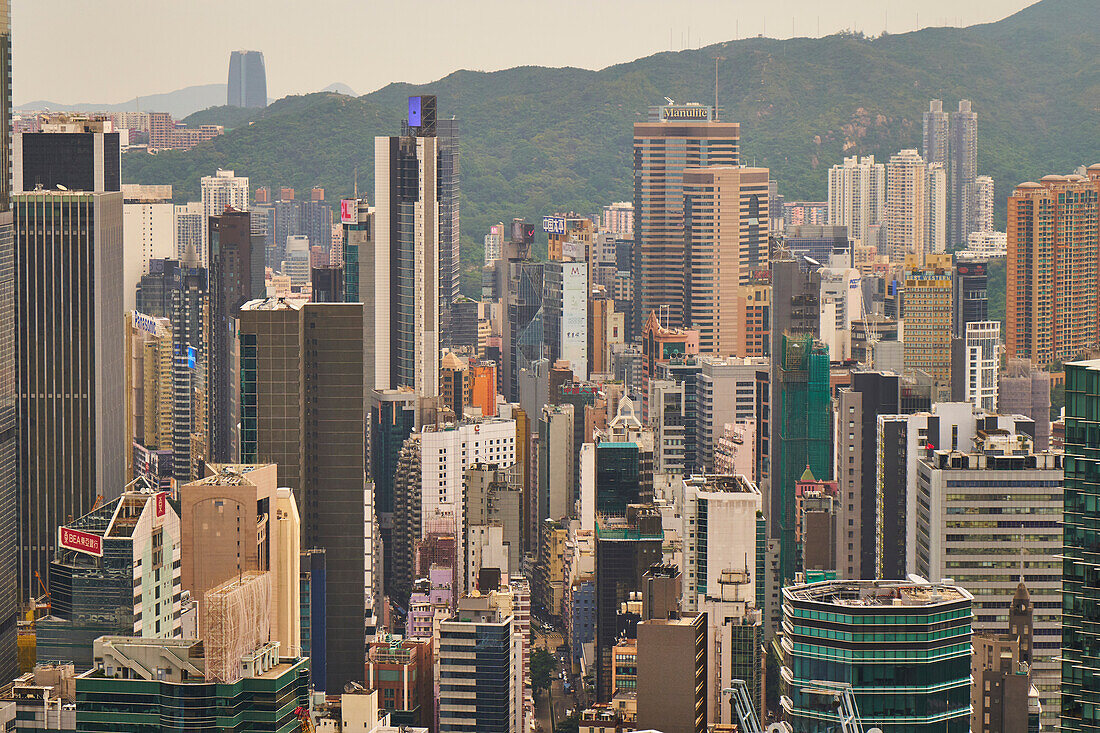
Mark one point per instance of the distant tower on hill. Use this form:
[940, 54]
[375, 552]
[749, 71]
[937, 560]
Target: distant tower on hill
[247, 80]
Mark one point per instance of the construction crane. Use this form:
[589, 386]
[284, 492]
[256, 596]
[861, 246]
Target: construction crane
[747, 720]
[305, 722]
[845, 702]
[45, 592]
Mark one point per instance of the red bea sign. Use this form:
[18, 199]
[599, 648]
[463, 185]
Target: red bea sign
[74, 539]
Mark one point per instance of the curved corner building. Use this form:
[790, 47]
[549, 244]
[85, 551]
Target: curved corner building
[903, 646]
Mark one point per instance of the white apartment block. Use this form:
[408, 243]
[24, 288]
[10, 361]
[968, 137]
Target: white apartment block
[983, 363]
[857, 195]
[220, 191]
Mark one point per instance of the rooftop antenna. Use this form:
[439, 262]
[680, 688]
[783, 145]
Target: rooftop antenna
[356, 182]
[716, 60]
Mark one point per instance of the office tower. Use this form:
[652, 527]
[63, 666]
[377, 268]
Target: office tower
[1002, 697]
[936, 209]
[983, 205]
[115, 572]
[972, 482]
[817, 242]
[606, 331]
[724, 392]
[799, 213]
[482, 698]
[556, 462]
[975, 365]
[407, 241]
[668, 420]
[449, 172]
[125, 681]
[931, 660]
[854, 467]
[754, 304]
[247, 80]
[296, 266]
[569, 236]
[906, 206]
[303, 407]
[314, 633]
[857, 196]
[1051, 280]
[900, 441]
[719, 523]
[149, 387]
[936, 134]
[405, 520]
[803, 434]
[402, 671]
[220, 192]
[962, 168]
[672, 674]
[518, 284]
[675, 137]
[69, 333]
[969, 296]
[190, 222]
[10, 580]
[392, 419]
[1025, 390]
[235, 268]
[178, 291]
[494, 244]
[618, 218]
[1080, 637]
[841, 304]
[148, 233]
[927, 312]
[75, 155]
[565, 314]
[623, 475]
[625, 548]
[725, 224]
[493, 521]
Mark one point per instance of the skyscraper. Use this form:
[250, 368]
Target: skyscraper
[983, 205]
[936, 209]
[407, 247]
[857, 195]
[906, 205]
[69, 343]
[565, 314]
[448, 171]
[303, 407]
[725, 223]
[962, 169]
[9, 532]
[927, 313]
[148, 233]
[936, 134]
[675, 137]
[1080, 595]
[1051, 280]
[78, 155]
[247, 80]
[221, 191]
[236, 276]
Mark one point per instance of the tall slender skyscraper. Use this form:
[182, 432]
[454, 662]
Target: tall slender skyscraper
[221, 191]
[936, 135]
[247, 80]
[962, 170]
[857, 195]
[407, 243]
[906, 205]
[9, 531]
[675, 137]
[448, 171]
[69, 341]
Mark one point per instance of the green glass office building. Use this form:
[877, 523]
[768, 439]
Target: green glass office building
[1081, 559]
[903, 647]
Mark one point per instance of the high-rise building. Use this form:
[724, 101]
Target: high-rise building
[618, 218]
[672, 674]
[402, 671]
[983, 205]
[1002, 697]
[1080, 636]
[235, 269]
[190, 222]
[565, 314]
[479, 657]
[931, 659]
[724, 393]
[148, 233]
[149, 386]
[927, 313]
[1025, 390]
[854, 467]
[975, 365]
[557, 463]
[449, 184]
[936, 209]
[68, 332]
[409, 204]
[303, 407]
[675, 137]
[971, 483]
[969, 294]
[803, 435]
[906, 206]
[857, 196]
[220, 192]
[77, 154]
[725, 224]
[841, 304]
[247, 80]
[1051, 280]
[392, 420]
[494, 244]
[962, 168]
[936, 134]
[10, 581]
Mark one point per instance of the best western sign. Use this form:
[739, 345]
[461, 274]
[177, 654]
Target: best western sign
[74, 539]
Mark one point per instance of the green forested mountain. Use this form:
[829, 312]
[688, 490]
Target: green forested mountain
[537, 140]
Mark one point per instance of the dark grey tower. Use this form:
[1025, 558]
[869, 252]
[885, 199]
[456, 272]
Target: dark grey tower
[247, 80]
[9, 584]
[448, 171]
[963, 173]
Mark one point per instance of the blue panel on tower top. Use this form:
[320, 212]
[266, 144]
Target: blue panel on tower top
[414, 111]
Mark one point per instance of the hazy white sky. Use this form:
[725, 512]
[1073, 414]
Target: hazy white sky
[112, 50]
